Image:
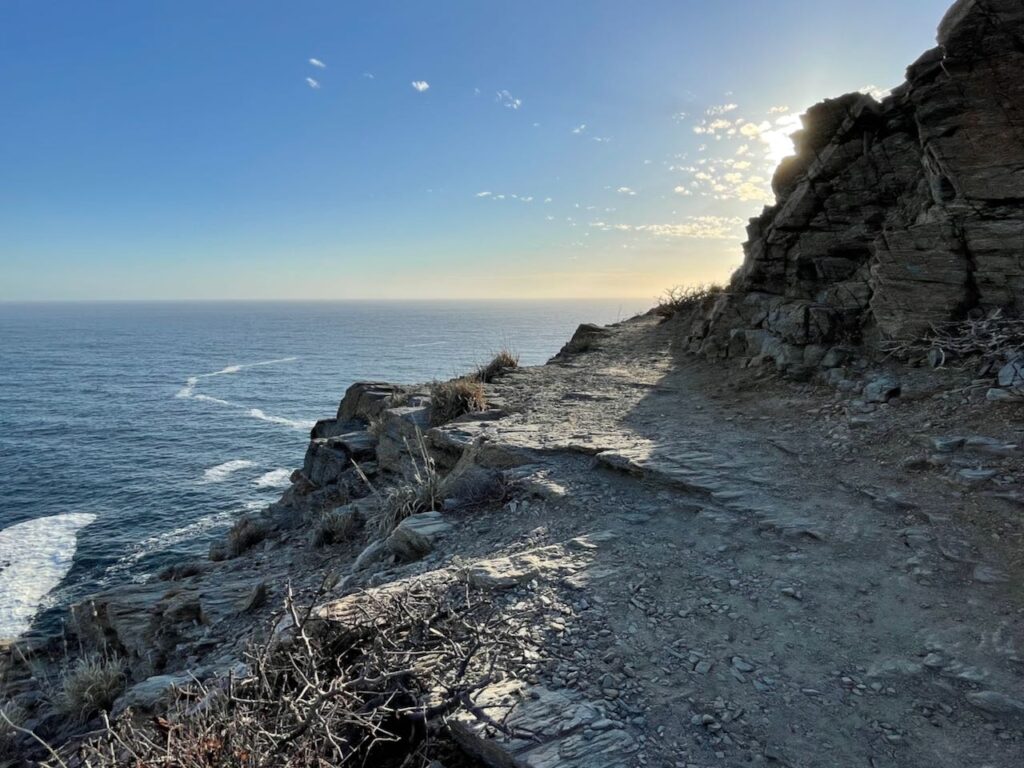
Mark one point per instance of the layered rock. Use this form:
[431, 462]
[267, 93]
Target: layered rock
[891, 216]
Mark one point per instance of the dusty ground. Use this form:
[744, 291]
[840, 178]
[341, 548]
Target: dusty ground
[778, 576]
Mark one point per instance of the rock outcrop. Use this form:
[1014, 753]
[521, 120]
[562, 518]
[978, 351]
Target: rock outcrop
[891, 216]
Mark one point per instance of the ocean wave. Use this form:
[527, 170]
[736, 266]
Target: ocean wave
[275, 478]
[221, 472]
[34, 557]
[168, 539]
[208, 399]
[256, 413]
[189, 389]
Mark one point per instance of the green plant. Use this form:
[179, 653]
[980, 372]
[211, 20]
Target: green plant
[91, 684]
[451, 399]
[503, 361]
[685, 298]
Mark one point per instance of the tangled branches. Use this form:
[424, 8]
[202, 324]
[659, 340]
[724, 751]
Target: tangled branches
[992, 339]
[373, 689]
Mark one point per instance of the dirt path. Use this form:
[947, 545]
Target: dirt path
[767, 581]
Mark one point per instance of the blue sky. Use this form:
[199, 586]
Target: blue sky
[562, 148]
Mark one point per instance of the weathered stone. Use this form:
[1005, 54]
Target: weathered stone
[882, 389]
[414, 537]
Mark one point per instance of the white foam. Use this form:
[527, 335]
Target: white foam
[167, 540]
[275, 478]
[221, 472]
[256, 413]
[208, 399]
[189, 389]
[34, 557]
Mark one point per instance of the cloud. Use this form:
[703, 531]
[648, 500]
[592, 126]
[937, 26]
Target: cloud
[693, 227]
[487, 194]
[778, 110]
[421, 85]
[318, 64]
[721, 109]
[681, 190]
[484, 194]
[580, 128]
[875, 92]
[628, 191]
[368, 75]
[508, 101]
[601, 139]
[315, 85]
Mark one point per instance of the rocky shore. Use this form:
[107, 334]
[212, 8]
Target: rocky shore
[769, 528]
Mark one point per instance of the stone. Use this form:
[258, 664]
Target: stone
[151, 694]
[586, 338]
[1011, 376]
[374, 553]
[996, 703]
[415, 536]
[882, 389]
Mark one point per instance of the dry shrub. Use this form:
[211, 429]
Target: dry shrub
[245, 534]
[685, 298]
[337, 695]
[90, 685]
[12, 716]
[335, 526]
[991, 340]
[503, 361]
[451, 399]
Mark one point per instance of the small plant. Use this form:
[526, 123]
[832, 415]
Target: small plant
[504, 361]
[685, 298]
[12, 715]
[245, 534]
[335, 526]
[91, 684]
[422, 492]
[451, 399]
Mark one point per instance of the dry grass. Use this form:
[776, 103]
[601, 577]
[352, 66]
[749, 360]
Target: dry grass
[336, 526]
[12, 716]
[685, 298]
[90, 685]
[422, 491]
[245, 534]
[504, 360]
[451, 399]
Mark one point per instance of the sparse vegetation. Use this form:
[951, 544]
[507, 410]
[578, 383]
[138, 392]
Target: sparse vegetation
[989, 340]
[11, 718]
[337, 695]
[90, 685]
[504, 360]
[245, 534]
[685, 298]
[451, 399]
[422, 491]
[335, 526]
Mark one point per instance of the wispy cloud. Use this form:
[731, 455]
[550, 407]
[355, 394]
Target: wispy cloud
[318, 64]
[314, 84]
[601, 139]
[485, 193]
[508, 101]
[875, 92]
[421, 85]
[693, 227]
[368, 75]
[628, 191]
[721, 109]
[579, 128]
[488, 195]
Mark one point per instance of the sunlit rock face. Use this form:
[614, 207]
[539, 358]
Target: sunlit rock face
[891, 216]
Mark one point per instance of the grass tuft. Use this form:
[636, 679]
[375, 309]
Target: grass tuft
[503, 361]
[451, 399]
[90, 685]
[335, 526]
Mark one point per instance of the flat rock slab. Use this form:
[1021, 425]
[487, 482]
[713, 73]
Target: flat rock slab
[543, 728]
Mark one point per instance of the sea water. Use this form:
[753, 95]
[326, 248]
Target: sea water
[132, 434]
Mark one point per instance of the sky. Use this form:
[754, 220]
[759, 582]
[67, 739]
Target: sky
[248, 149]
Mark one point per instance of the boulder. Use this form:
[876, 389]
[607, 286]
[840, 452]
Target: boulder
[414, 537]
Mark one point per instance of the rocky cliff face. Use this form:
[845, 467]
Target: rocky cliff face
[891, 216]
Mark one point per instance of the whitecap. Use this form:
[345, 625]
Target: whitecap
[168, 539]
[34, 557]
[208, 399]
[256, 413]
[189, 389]
[275, 478]
[221, 472]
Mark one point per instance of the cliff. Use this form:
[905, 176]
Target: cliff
[892, 216]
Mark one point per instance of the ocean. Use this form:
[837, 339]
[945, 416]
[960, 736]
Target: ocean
[131, 434]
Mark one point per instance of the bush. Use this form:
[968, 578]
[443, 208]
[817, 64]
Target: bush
[685, 298]
[500, 363]
[335, 526]
[451, 399]
[245, 534]
[91, 684]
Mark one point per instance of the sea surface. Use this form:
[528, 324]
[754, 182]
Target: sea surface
[131, 434]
